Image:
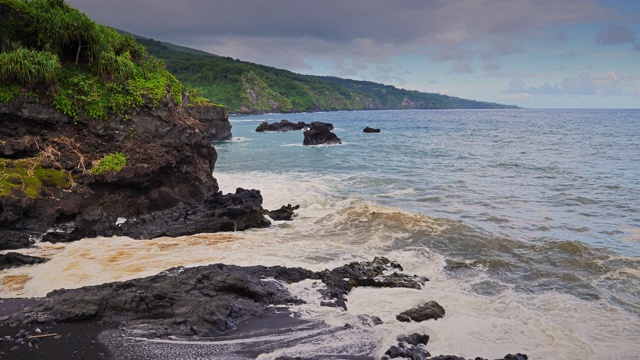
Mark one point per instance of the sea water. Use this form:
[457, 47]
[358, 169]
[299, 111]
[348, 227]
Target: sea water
[527, 223]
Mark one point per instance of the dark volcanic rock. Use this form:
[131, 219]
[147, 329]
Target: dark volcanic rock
[231, 212]
[203, 301]
[214, 118]
[13, 259]
[166, 185]
[414, 339]
[283, 125]
[371, 130]
[374, 273]
[320, 133]
[517, 356]
[196, 302]
[426, 311]
[410, 347]
[284, 213]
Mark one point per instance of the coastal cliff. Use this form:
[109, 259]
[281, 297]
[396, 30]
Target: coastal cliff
[57, 184]
[98, 139]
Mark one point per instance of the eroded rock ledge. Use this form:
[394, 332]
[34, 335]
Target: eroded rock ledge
[165, 188]
[213, 300]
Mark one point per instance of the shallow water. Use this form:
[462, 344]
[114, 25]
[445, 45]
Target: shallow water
[527, 222]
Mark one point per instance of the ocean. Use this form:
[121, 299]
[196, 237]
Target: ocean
[527, 223]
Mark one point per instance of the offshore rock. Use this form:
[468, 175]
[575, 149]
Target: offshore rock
[165, 188]
[13, 259]
[284, 213]
[340, 281]
[282, 126]
[204, 301]
[371, 130]
[319, 133]
[426, 311]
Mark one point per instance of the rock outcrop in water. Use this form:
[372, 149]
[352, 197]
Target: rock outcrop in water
[319, 133]
[60, 184]
[13, 259]
[422, 312]
[285, 213]
[205, 301]
[282, 126]
[202, 301]
[371, 130]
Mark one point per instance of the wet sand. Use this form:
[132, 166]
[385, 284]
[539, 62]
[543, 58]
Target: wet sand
[268, 334]
[73, 341]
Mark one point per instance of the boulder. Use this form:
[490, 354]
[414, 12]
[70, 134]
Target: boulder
[426, 311]
[409, 347]
[319, 133]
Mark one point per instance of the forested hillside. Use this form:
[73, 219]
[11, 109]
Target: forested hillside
[244, 87]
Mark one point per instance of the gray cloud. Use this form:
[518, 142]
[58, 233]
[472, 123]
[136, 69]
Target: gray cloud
[337, 20]
[560, 36]
[461, 67]
[288, 33]
[608, 84]
[615, 34]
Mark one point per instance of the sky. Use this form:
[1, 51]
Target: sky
[530, 53]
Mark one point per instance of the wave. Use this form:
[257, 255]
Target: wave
[548, 298]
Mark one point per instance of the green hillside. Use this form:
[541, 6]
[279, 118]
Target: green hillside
[244, 87]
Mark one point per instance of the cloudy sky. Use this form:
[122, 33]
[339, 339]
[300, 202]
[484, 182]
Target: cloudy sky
[532, 53]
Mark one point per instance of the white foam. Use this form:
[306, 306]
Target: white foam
[329, 231]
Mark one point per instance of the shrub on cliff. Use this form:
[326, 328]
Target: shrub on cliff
[26, 66]
[112, 162]
[49, 48]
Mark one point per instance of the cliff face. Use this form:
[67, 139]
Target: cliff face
[64, 180]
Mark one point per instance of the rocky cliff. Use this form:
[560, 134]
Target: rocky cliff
[146, 175]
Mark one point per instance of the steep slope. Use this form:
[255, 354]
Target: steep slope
[244, 87]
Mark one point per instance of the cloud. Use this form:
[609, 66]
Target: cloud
[515, 86]
[560, 36]
[461, 67]
[287, 33]
[608, 84]
[615, 34]
[489, 62]
[582, 84]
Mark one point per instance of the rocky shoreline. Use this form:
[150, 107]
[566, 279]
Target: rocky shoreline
[166, 187]
[191, 305]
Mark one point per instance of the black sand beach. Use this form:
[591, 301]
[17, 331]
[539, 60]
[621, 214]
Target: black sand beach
[72, 340]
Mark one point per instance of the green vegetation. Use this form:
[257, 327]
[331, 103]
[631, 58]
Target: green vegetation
[196, 97]
[83, 68]
[26, 66]
[246, 87]
[29, 177]
[112, 162]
